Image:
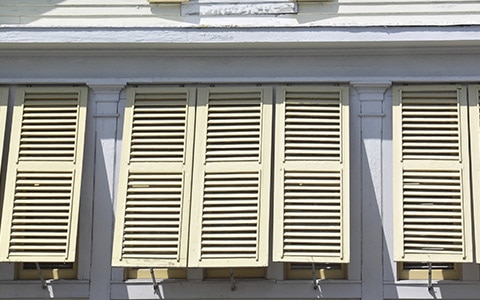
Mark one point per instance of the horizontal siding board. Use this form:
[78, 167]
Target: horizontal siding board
[330, 13]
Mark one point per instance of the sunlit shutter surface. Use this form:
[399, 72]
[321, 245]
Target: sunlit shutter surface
[431, 163]
[474, 114]
[42, 198]
[155, 177]
[3, 119]
[230, 200]
[311, 221]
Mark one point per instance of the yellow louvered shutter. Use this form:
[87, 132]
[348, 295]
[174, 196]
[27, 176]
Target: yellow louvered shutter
[474, 113]
[42, 197]
[3, 120]
[231, 192]
[155, 178]
[311, 216]
[431, 174]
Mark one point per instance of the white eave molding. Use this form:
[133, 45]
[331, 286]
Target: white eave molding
[437, 38]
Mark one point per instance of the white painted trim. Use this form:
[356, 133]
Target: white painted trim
[21, 289]
[215, 289]
[188, 37]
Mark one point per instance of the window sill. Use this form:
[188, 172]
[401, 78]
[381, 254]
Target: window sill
[452, 289]
[59, 288]
[215, 289]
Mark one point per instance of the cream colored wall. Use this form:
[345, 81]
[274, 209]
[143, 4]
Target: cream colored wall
[201, 13]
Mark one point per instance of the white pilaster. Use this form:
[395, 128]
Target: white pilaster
[371, 97]
[106, 98]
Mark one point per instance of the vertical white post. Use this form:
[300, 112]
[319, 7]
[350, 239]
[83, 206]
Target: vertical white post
[371, 96]
[106, 99]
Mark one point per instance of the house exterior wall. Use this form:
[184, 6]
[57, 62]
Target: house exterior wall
[365, 45]
[201, 13]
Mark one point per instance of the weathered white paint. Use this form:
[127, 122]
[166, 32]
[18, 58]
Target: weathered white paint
[245, 8]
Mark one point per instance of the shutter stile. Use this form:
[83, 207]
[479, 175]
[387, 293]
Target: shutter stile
[40, 217]
[432, 198]
[312, 194]
[231, 197]
[153, 208]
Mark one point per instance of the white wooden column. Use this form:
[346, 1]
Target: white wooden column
[371, 96]
[106, 98]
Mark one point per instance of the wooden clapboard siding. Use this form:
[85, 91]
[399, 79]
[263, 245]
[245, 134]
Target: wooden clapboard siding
[42, 196]
[322, 13]
[231, 192]
[474, 114]
[155, 178]
[431, 174]
[312, 175]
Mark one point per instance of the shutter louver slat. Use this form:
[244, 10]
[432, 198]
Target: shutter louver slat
[430, 131]
[161, 219]
[230, 212]
[43, 181]
[37, 126]
[236, 199]
[311, 212]
[233, 126]
[152, 214]
[432, 174]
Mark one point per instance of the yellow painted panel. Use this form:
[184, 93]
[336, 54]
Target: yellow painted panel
[167, 1]
[311, 213]
[322, 271]
[451, 273]
[42, 198]
[432, 206]
[214, 273]
[160, 273]
[28, 271]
